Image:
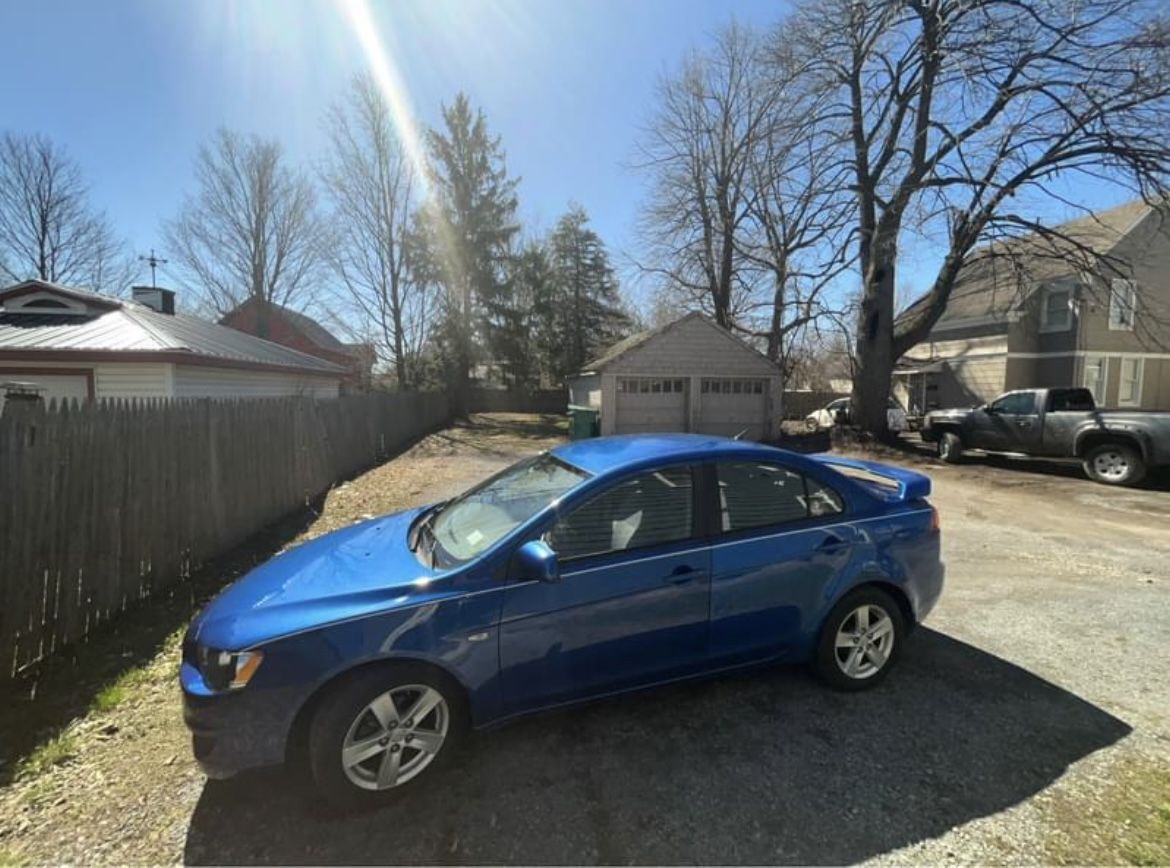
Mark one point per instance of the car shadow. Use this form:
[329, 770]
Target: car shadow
[764, 767]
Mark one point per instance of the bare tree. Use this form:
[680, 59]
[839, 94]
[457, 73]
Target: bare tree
[698, 154]
[798, 219]
[251, 230]
[370, 183]
[745, 219]
[950, 113]
[48, 228]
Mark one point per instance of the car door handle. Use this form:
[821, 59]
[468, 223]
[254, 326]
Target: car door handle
[831, 544]
[1024, 423]
[683, 573]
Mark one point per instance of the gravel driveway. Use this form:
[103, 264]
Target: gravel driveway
[1032, 702]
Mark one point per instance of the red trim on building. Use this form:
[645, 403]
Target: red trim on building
[173, 356]
[58, 372]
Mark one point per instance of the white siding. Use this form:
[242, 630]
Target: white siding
[111, 379]
[198, 381]
[131, 380]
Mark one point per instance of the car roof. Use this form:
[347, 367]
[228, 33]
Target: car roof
[606, 454]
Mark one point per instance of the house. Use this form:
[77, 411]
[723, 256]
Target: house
[71, 343]
[1092, 310]
[688, 375]
[287, 327]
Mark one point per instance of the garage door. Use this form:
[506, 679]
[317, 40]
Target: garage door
[728, 406]
[63, 385]
[650, 404]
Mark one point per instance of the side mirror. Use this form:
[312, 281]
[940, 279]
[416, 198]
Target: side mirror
[988, 409]
[535, 560]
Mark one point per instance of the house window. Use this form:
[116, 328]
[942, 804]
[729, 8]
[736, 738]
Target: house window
[1094, 376]
[1055, 315]
[1122, 303]
[1129, 390]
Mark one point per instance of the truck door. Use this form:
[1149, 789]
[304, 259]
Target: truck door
[1015, 421]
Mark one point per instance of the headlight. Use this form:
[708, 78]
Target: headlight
[227, 670]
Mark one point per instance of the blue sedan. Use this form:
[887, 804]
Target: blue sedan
[599, 567]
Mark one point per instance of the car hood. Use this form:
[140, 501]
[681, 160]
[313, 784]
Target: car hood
[364, 568]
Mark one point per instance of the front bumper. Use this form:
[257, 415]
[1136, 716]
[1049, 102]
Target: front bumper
[236, 731]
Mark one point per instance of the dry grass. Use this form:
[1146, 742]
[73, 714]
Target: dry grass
[1126, 822]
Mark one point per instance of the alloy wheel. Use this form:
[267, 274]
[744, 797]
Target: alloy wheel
[1112, 465]
[864, 641]
[395, 737]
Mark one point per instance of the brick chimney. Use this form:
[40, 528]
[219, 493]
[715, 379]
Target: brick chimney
[155, 297]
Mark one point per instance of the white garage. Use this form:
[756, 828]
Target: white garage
[690, 375]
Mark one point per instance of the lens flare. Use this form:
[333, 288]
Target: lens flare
[385, 74]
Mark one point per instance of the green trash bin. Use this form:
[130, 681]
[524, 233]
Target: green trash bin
[584, 422]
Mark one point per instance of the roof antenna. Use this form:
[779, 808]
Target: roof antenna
[739, 436]
[154, 262]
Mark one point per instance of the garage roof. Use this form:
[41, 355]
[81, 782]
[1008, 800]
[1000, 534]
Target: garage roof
[112, 325]
[633, 342]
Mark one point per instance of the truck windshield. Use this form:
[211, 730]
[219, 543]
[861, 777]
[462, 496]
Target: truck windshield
[480, 517]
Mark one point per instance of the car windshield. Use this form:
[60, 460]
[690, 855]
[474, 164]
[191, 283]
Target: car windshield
[480, 517]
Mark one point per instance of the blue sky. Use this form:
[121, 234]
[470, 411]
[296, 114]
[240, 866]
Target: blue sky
[131, 87]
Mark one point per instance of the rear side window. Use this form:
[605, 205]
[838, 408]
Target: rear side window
[647, 510]
[753, 495]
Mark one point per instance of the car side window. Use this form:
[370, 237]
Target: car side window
[1019, 404]
[822, 500]
[754, 495]
[646, 510]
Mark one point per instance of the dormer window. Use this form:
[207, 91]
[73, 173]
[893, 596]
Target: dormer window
[45, 303]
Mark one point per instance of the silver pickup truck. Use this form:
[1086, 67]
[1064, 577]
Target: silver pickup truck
[1115, 447]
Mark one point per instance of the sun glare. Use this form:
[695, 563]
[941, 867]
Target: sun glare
[385, 73]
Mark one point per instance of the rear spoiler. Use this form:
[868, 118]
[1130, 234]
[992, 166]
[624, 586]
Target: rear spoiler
[904, 484]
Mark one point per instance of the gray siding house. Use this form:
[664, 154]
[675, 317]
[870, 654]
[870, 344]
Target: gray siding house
[689, 375]
[1042, 313]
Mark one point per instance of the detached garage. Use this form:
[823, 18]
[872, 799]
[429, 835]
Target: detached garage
[690, 375]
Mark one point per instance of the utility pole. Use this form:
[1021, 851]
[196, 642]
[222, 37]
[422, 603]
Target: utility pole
[154, 262]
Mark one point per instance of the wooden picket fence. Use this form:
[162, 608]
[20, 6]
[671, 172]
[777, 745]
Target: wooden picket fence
[103, 504]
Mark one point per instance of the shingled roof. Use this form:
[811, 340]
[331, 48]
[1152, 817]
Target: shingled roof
[998, 277]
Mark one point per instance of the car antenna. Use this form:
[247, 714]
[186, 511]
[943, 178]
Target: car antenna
[740, 434]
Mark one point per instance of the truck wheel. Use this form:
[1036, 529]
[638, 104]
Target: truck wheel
[950, 447]
[1114, 464]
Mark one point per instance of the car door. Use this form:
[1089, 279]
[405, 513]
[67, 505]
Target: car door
[630, 606]
[779, 543]
[1011, 420]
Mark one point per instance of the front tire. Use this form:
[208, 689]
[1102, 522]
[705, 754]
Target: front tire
[1114, 464]
[860, 640]
[380, 732]
[950, 447]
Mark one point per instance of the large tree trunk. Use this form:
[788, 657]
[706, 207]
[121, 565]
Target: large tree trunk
[875, 349]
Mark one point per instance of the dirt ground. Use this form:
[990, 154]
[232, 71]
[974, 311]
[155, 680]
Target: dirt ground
[1029, 722]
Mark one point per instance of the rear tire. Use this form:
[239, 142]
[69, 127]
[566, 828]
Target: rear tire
[950, 447]
[1114, 464]
[370, 715]
[860, 640]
